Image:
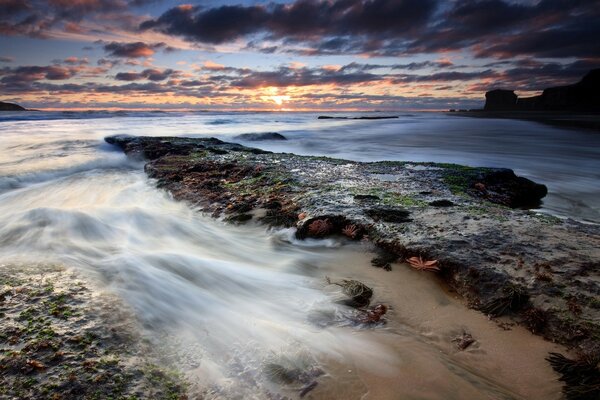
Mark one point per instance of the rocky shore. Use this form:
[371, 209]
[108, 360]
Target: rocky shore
[467, 227]
[540, 270]
[61, 338]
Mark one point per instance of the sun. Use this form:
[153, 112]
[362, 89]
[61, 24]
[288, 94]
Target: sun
[272, 96]
[279, 99]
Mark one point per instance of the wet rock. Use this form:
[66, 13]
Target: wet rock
[504, 187]
[255, 137]
[463, 341]
[359, 293]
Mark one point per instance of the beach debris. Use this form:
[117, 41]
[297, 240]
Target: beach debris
[350, 231]
[320, 227]
[359, 292]
[513, 297]
[301, 216]
[423, 265]
[581, 375]
[463, 341]
[373, 315]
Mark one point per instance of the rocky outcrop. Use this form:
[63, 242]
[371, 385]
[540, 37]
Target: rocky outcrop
[583, 96]
[11, 107]
[256, 137]
[500, 99]
[541, 271]
[502, 186]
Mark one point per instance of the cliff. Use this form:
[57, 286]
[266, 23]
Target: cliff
[583, 96]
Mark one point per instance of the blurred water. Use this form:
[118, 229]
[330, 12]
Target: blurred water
[242, 293]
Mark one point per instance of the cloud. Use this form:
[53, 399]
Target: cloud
[133, 50]
[38, 18]
[5, 59]
[76, 61]
[154, 75]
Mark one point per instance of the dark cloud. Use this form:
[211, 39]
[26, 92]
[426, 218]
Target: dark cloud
[490, 28]
[38, 17]
[133, 50]
[155, 75]
[286, 76]
[301, 20]
[503, 29]
[5, 59]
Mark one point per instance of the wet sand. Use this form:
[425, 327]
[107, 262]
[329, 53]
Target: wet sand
[501, 364]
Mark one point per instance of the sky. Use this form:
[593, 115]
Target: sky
[289, 54]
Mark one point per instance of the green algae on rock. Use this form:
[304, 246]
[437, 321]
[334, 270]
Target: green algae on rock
[61, 341]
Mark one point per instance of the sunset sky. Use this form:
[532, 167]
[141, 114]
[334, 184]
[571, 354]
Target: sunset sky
[289, 55]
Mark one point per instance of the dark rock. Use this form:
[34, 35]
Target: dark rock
[11, 107]
[441, 203]
[500, 99]
[254, 137]
[388, 214]
[502, 186]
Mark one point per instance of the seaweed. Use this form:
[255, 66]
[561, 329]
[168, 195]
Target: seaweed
[513, 297]
[581, 375]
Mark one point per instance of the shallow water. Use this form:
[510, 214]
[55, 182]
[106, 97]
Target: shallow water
[228, 299]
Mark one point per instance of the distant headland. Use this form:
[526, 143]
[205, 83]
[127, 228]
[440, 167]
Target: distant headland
[583, 96]
[11, 107]
[574, 106]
